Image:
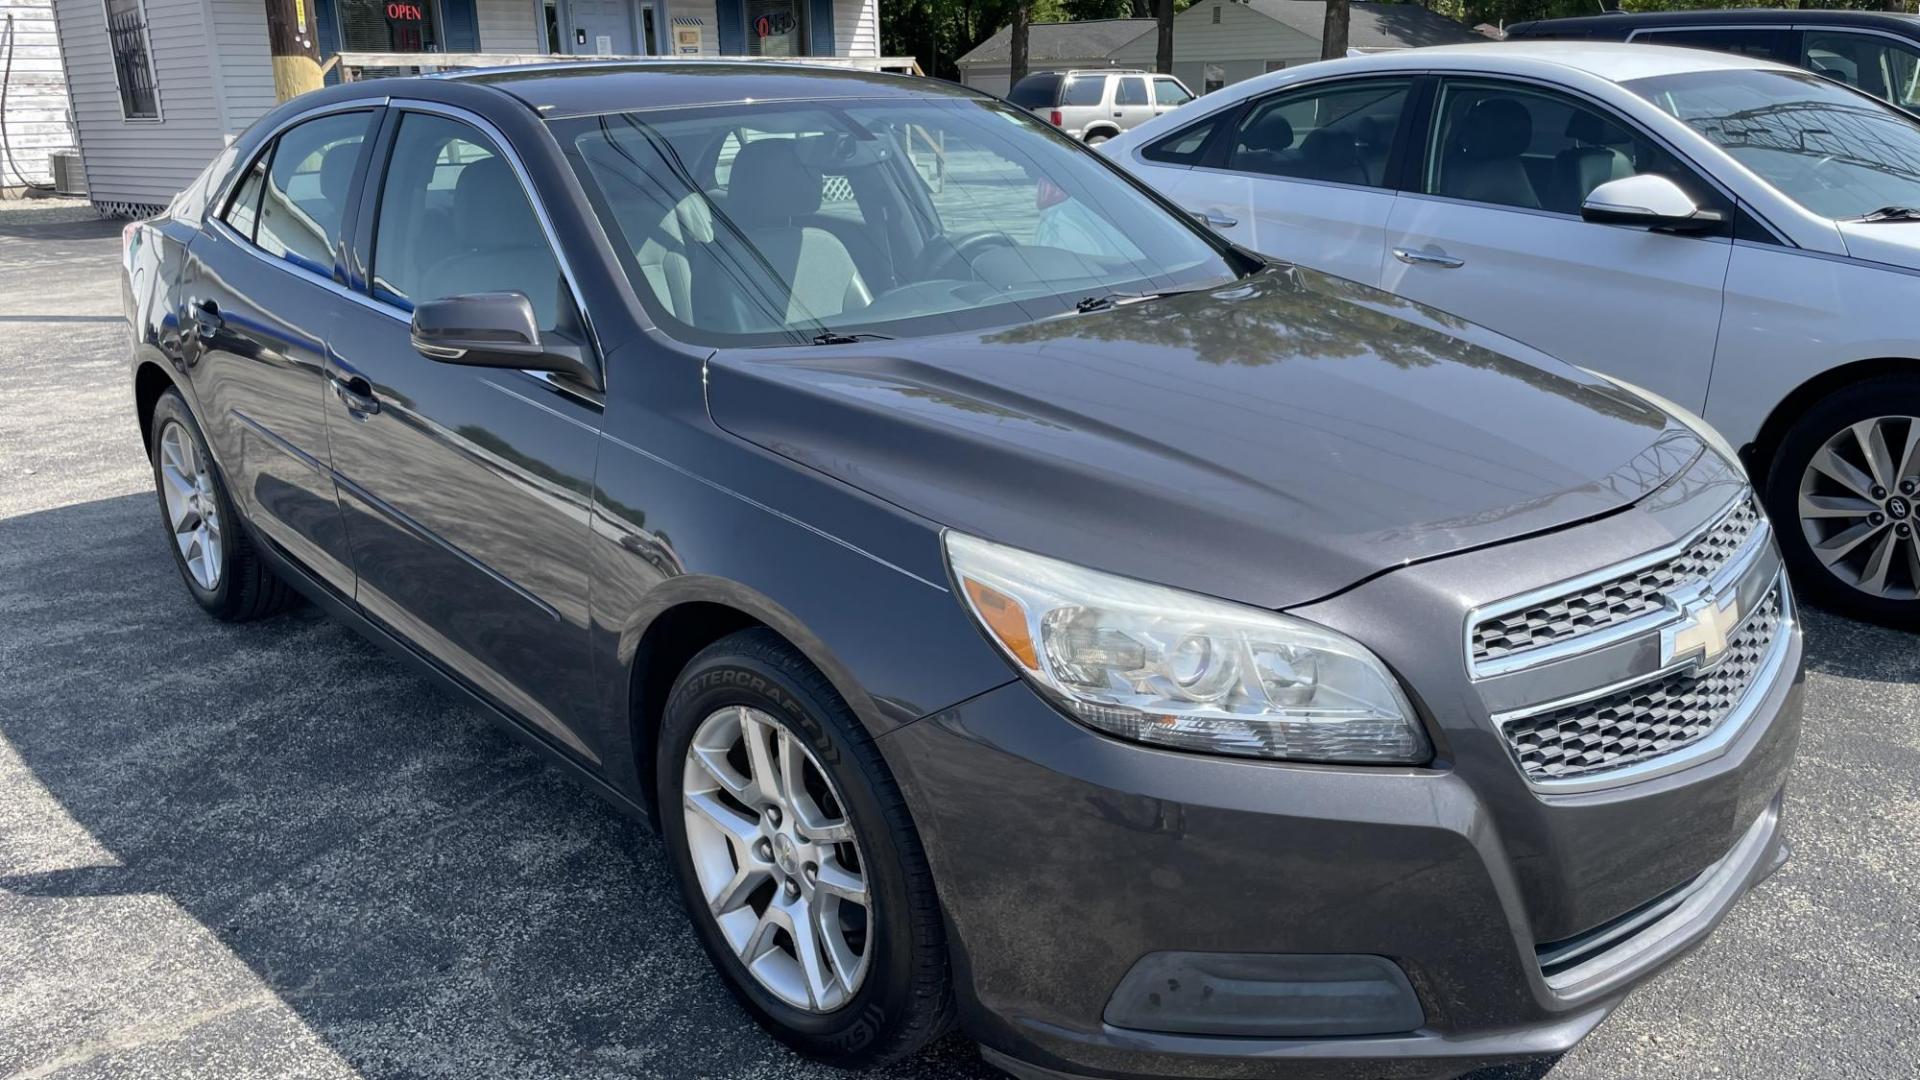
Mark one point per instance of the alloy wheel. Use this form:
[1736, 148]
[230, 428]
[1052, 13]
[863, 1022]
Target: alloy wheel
[1860, 506]
[777, 859]
[193, 508]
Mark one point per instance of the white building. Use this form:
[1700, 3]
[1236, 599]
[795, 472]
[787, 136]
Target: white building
[33, 94]
[157, 86]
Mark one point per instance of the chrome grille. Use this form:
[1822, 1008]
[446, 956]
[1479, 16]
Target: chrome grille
[1649, 719]
[1617, 600]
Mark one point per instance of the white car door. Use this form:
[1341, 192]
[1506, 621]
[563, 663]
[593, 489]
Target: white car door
[1492, 232]
[1302, 175]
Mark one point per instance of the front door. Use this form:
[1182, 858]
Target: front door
[1304, 175]
[606, 28]
[1493, 234]
[467, 490]
[262, 299]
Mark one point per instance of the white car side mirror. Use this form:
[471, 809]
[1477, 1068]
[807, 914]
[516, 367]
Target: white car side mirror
[1649, 201]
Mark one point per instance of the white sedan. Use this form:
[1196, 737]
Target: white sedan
[1740, 237]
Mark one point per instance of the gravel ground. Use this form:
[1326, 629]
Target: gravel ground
[270, 851]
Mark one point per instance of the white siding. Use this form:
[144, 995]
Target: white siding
[707, 13]
[246, 63]
[1241, 44]
[36, 91]
[511, 26]
[856, 27]
[203, 98]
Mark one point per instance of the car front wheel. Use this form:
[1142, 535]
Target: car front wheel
[797, 859]
[1844, 493]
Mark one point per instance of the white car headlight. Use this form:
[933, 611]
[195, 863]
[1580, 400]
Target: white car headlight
[1173, 668]
[1694, 422]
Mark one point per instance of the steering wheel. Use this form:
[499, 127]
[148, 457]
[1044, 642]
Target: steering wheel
[966, 249]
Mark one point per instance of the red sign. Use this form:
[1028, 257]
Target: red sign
[400, 10]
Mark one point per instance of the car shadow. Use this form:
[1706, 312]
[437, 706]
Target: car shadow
[426, 896]
[1851, 649]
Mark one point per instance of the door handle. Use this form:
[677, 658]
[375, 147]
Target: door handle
[1215, 218]
[356, 393]
[207, 322]
[1423, 258]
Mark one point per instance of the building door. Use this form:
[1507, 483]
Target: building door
[606, 28]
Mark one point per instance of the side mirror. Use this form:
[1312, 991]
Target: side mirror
[496, 329]
[1650, 202]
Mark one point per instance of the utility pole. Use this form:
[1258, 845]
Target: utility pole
[292, 39]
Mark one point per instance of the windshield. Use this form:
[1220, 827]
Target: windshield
[1836, 152]
[773, 223]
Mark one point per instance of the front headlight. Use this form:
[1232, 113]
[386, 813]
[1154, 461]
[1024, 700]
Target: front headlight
[1172, 668]
[1694, 422]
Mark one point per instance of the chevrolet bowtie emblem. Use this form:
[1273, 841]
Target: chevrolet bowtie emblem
[1706, 622]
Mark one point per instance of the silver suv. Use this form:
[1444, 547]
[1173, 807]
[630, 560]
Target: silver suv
[1097, 105]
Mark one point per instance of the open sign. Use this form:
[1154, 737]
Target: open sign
[411, 12]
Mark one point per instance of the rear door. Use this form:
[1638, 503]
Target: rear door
[262, 296]
[1132, 106]
[1879, 64]
[467, 490]
[1305, 174]
[1491, 231]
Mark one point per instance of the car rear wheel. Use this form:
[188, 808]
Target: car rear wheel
[210, 548]
[796, 858]
[1844, 493]
[1097, 138]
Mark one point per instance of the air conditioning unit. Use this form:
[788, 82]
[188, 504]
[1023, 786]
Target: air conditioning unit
[69, 177]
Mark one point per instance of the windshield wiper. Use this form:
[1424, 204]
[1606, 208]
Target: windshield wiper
[1106, 300]
[1891, 213]
[835, 337]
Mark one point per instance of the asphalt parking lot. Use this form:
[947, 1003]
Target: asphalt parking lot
[269, 850]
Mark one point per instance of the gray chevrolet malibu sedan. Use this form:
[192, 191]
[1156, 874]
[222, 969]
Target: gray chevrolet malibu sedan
[1015, 607]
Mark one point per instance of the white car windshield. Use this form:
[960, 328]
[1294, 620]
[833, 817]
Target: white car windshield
[786, 222]
[1836, 152]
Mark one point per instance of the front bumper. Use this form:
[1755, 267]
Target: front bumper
[1063, 856]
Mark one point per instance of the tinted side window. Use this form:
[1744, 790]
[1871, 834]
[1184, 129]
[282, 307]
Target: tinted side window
[244, 210]
[454, 220]
[1133, 91]
[1035, 91]
[1170, 92]
[307, 189]
[1183, 147]
[1084, 90]
[1748, 42]
[1883, 67]
[1525, 148]
[1341, 133]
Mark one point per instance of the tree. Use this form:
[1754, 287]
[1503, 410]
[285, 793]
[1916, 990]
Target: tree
[1017, 45]
[1163, 51]
[291, 43]
[1333, 33]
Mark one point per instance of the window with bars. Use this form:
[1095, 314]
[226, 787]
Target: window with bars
[132, 60]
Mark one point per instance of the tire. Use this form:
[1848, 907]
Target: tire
[1097, 139]
[1849, 585]
[241, 587]
[904, 998]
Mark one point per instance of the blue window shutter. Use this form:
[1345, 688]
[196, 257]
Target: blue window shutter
[820, 14]
[462, 31]
[732, 17]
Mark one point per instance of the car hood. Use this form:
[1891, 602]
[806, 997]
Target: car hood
[1270, 442]
[1896, 243]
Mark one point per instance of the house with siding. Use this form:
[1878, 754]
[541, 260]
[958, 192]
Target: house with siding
[1051, 46]
[33, 95]
[158, 87]
[1220, 42]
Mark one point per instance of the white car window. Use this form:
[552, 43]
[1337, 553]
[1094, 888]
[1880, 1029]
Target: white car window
[1340, 133]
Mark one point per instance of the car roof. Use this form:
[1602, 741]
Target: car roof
[1611, 60]
[585, 88]
[1908, 25]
